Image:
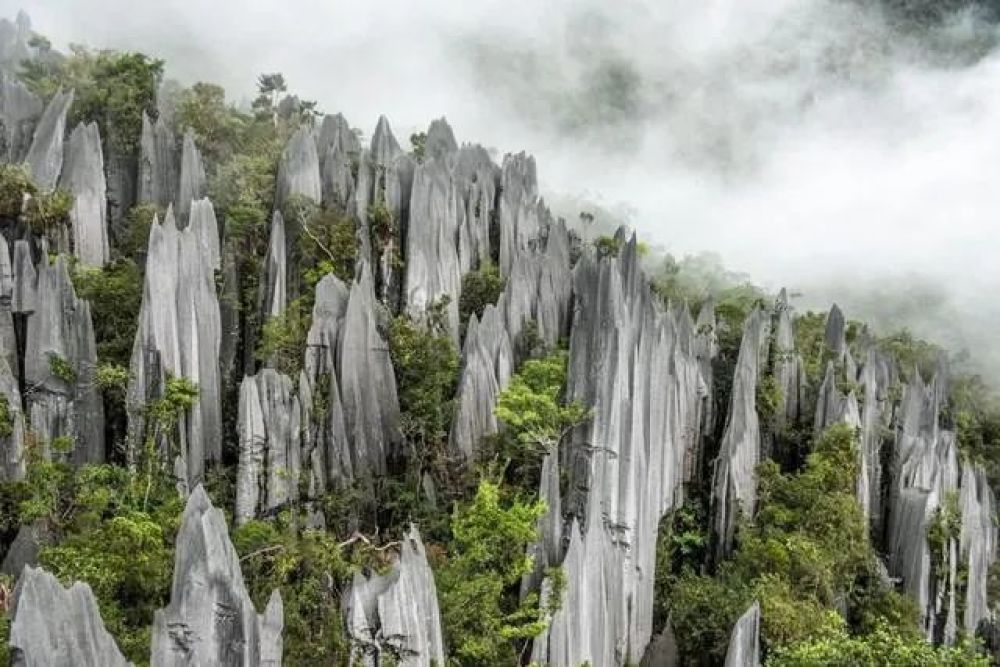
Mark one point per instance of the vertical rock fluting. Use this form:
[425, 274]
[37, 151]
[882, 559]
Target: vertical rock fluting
[433, 272]
[298, 173]
[83, 177]
[487, 364]
[477, 179]
[348, 388]
[45, 156]
[744, 642]
[192, 185]
[19, 111]
[877, 379]
[52, 626]
[833, 406]
[788, 371]
[179, 333]
[210, 619]
[538, 290]
[270, 447]
[274, 286]
[518, 207]
[339, 153]
[60, 362]
[977, 544]
[13, 464]
[734, 489]
[926, 474]
[635, 366]
[158, 172]
[395, 616]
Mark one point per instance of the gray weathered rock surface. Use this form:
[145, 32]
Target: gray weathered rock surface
[349, 372]
[635, 366]
[19, 111]
[179, 333]
[270, 446]
[734, 489]
[193, 184]
[298, 173]
[83, 177]
[210, 619]
[744, 643]
[396, 614]
[60, 361]
[45, 156]
[158, 169]
[52, 626]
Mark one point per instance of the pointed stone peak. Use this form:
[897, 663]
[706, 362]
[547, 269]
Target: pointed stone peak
[836, 331]
[744, 642]
[53, 625]
[193, 183]
[440, 139]
[45, 156]
[384, 147]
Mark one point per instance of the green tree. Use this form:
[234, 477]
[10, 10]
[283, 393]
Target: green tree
[426, 364]
[532, 407]
[479, 289]
[481, 613]
[203, 108]
[884, 646]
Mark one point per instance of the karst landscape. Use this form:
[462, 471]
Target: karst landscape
[278, 390]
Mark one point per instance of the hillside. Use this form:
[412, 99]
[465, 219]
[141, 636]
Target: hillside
[274, 391]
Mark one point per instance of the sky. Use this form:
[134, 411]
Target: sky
[814, 144]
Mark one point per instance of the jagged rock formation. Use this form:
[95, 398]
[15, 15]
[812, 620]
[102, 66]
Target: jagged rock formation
[268, 473]
[789, 372]
[519, 207]
[179, 333]
[60, 361]
[19, 110]
[45, 156]
[635, 365]
[298, 173]
[832, 406]
[348, 389]
[15, 38]
[193, 184]
[926, 473]
[275, 284]
[210, 619]
[26, 546]
[52, 626]
[735, 487]
[977, 544]
[877, 379]
[339, 152]
[488, 362]
[396, 614]
[538, 290]
[83, 177]
[13, 464]
[432, 268]
[744, 643]
[157, 163]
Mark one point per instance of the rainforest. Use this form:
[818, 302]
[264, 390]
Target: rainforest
[279, 388]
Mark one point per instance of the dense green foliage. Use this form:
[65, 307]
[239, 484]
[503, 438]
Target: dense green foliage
[531, 406]
[426, 364]
[805, 552]
[112, 89]
[484, 622]
[479, 289]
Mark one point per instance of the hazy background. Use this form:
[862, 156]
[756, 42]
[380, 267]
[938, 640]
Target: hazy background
[818, 144]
